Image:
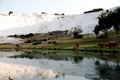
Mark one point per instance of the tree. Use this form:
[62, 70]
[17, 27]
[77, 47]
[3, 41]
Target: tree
[30, 34]
[116, 20]
[10, 12]
[96, 30]
[22, 36]
[107, 20]
[76, 32]
[104, 23]
[15, 35]
[94, 10]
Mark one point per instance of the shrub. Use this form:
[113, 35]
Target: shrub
[80, 36]
[33, 40]
[52, 42]
[15, 35]
[101, 37]
[75, 34]
[10, 12]
[44, 13]
[36, 42]
[22, 36]
[30, 34]
[28, 41]
[44, 40]
[62, 14]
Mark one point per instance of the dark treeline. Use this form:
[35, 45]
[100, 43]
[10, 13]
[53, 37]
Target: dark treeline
[23, 36]
[94, 10]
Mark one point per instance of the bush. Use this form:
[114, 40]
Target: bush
[33, 40]
[30, 34]
[52, 42]
[80, 36]
[22, 36]
[44, 40]
[62, 14]
[75, 34]
[101, 37]
[15, 35]
[44, 13]
[36, 42]
[28, 41]
[10, 13]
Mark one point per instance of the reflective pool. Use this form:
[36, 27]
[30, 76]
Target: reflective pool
[17, 66]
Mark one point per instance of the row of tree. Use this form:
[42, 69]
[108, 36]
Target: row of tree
[94, 10]
[107, 20]
[23, 36]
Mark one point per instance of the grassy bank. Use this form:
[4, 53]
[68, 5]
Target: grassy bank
[87, 43]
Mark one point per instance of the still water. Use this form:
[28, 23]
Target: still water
[48, 66]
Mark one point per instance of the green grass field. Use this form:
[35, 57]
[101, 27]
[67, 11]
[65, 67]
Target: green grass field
[87, 42]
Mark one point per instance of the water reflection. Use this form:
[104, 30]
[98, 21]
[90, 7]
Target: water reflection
[77, 59]
[38, 65]
[108, 70]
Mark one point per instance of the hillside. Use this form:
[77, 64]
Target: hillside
[41, 23]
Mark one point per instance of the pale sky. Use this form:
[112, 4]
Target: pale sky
[55, 6]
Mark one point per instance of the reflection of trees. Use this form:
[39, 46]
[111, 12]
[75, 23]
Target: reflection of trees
[59, 75]
[112, 57]
[118, 66]
[77, 59]
[107, 71]
[76, 51]
[97, 62]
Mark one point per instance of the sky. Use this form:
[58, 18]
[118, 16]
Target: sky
[55, 6]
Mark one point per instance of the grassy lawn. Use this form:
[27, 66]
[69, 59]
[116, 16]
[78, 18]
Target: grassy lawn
[67, 42]
[64, 43]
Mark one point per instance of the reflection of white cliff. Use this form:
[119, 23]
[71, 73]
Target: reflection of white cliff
[18, 70]
[40, 23]
[43, 68]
